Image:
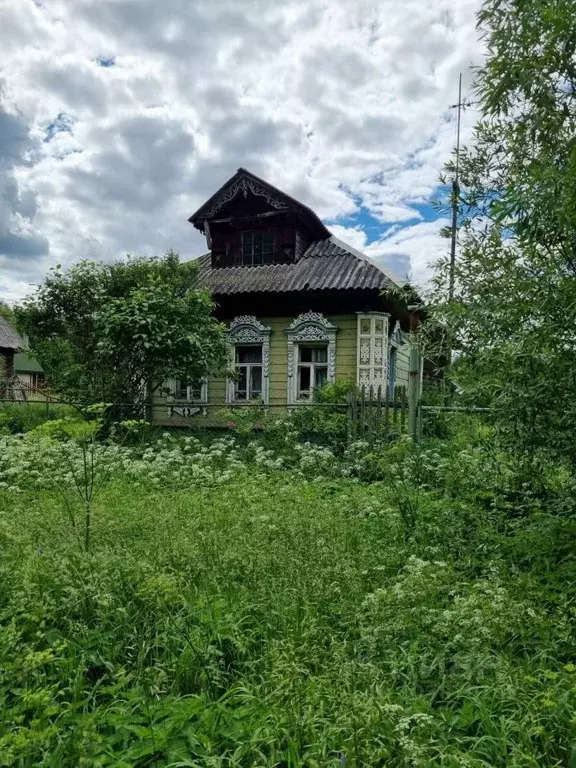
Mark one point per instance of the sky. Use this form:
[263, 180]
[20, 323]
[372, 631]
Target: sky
[119, 118]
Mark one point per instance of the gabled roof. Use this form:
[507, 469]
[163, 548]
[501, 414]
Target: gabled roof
[9, 338]
[327, 264]
[23, 363]
[243, 182]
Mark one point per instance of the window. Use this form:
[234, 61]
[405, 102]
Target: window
[191, 391]
[312, 369]
[248, 364]
[257, 248]
[249, 345]
[311, 355]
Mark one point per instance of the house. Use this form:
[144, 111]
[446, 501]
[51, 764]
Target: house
[302, 307]
[10, 341]
[28, 372]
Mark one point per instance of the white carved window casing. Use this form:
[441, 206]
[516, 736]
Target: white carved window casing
[311, 355]
[249, 343]
[372, 350]
[188, 391]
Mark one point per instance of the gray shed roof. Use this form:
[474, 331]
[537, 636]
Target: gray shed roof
[327, 264]
[9, 339]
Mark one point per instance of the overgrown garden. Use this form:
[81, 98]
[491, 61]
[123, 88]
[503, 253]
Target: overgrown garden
[288, 596]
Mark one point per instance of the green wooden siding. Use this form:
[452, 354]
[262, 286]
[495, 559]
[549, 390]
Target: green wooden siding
[345, 357]
[346, 341]
[402, 361]
[278, 383]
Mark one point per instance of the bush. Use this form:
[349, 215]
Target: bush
[22, 416]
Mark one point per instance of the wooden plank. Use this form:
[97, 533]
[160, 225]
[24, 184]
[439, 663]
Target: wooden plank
[386, 415]
[349, 416]
[371, 414]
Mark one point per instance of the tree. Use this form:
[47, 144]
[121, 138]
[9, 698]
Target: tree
[7, 313]
[513, 317]
[116, 332]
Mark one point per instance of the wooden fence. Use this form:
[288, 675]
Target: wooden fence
[372, 414]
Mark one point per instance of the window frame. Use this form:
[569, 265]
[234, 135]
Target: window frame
[309, 329]
[173, 386]
[253, 234]
[248, 367]
[312, 366]
[247, 330]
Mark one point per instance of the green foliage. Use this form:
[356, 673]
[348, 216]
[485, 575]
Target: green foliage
[103, 331]
[241, 605]
[7, 313]
[513, 317]
[65, 429]
[21, 417]
[322, 425]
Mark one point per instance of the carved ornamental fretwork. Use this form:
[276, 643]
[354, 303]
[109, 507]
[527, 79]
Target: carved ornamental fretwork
[247, 329]
[242, 187]
[310, 327]
[372, 359]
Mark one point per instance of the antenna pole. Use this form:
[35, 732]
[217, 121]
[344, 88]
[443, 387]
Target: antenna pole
[455, 193]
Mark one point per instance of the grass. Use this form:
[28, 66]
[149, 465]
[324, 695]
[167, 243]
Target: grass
[274, 621]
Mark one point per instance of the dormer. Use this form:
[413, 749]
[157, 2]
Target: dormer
[250, 223]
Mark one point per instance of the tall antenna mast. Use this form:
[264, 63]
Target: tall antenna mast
[455, 189]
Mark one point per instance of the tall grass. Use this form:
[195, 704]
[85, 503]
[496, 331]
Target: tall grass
[272, 621]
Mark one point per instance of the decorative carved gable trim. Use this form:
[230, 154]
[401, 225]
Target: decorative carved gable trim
[242, 187]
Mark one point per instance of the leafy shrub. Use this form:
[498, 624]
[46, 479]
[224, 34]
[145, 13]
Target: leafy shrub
[19, 417]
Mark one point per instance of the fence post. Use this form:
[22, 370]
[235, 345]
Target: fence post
[349, 415]
[413, 389]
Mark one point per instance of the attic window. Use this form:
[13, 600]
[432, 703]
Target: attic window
[257, 248]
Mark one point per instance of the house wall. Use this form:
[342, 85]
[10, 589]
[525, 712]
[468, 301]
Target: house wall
[6, 363]
[346, 341]
[345, 357]
[278, 383]
[402, 364]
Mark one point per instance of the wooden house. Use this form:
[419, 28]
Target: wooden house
[10, 342]
[302, 307]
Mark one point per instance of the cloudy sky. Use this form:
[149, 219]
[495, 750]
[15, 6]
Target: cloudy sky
[118, 118]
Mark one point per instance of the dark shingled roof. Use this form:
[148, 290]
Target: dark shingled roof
[9, 339]
[326, 265]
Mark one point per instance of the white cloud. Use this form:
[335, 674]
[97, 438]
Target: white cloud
[341, 104]
[412, 250]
